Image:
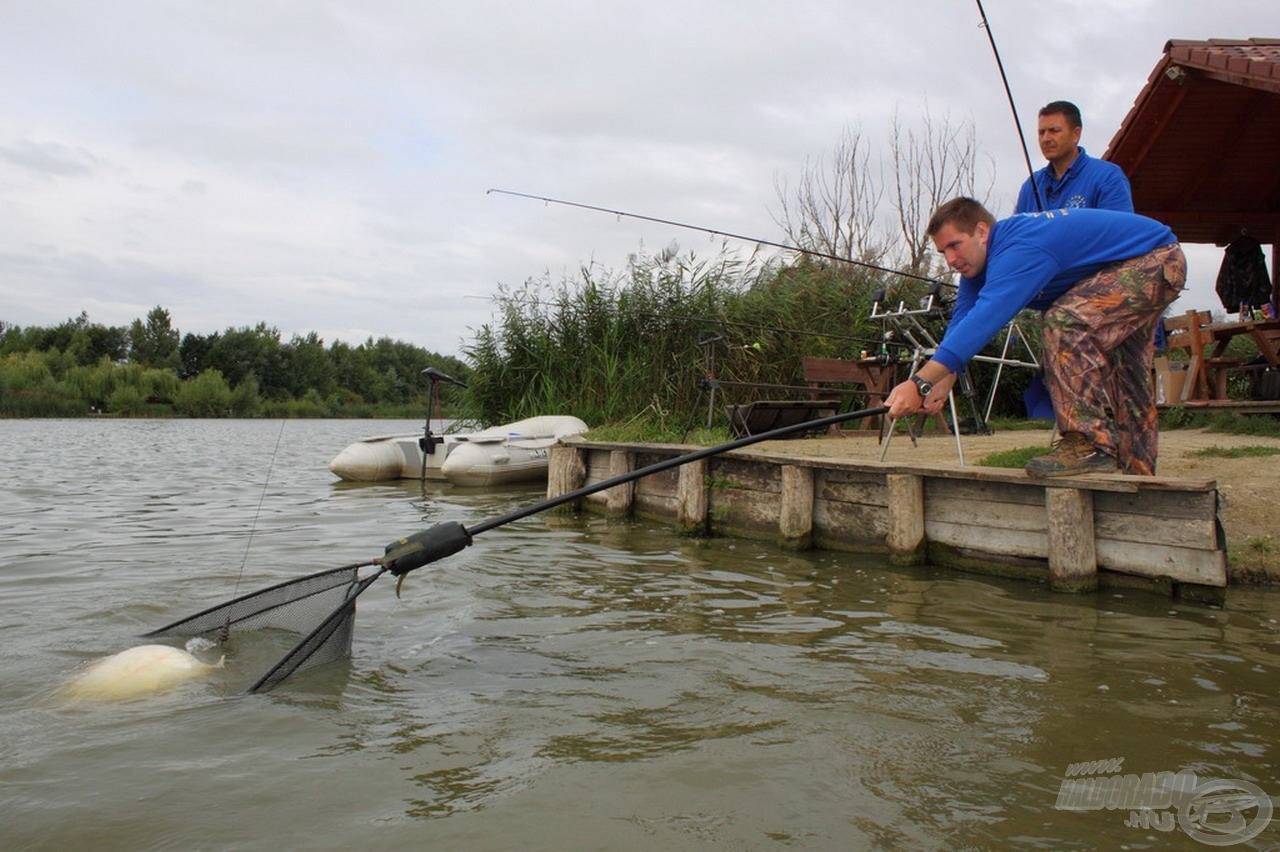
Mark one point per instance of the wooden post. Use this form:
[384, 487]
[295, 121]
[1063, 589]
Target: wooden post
[692, 502]
[795, 518]
[1275, 269]
[617, 500]
[906, 538]
[566, 471]
[1073, 557]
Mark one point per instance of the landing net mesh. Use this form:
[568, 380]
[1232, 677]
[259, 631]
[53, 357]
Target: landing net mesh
[320, 606]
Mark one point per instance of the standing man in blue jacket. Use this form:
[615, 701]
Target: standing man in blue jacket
[1103, 279]
[1072, 178]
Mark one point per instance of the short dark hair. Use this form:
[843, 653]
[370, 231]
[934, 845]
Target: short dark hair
[1070, 110]
[963, 213]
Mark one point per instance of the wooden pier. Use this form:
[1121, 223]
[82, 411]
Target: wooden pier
[1074, 534]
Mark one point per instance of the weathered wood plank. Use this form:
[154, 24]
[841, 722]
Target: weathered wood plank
[1198, 533]
[849, 525]
[691, 503]
[851, 487]
[1073, 564]
[658, 507]
[746, 474]
[906, 537]
[597, 462]
[755, 512]
[1179, 505]
[617, 500]
[1105, 483]
[981, 492]
[566, 470]
[1025, 543]
[1015, 516]
[795, 515]
[1205, 567]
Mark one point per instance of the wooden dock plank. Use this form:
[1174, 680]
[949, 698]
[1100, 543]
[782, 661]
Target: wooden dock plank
[1014, 516]
[845, 486]
[1185, 565]
[994, 541]
[1155, 531]
[1153, 528]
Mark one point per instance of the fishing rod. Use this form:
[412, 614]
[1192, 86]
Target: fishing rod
[444, 539]
[718, 233]
[323, 605]
[1022, 139]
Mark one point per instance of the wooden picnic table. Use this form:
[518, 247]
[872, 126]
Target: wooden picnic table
[1265, 333]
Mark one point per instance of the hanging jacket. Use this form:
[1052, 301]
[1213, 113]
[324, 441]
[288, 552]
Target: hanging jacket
[1243, 275]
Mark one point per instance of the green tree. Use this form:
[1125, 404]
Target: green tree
[93, 384]
[241, 352]
[128, 400]
[307, 366]
[245, 399]
[193, 353]
[161, 386]
[207, 395]
[155, 342]
[29, 388]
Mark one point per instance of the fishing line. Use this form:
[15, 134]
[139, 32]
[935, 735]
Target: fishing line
[753, 326]
[719, 233]
[1022, 140]
[261, 499]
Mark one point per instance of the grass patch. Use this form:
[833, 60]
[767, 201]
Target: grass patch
[1018, 424]
[1251, 451]
[1226, 422]
[645, 430]
[1261, 545]
[1017, 457]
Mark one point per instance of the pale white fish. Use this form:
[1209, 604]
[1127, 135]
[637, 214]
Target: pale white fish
[144, 670]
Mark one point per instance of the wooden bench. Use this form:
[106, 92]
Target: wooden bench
[1207, 371]
[829, 381]
[867, 375]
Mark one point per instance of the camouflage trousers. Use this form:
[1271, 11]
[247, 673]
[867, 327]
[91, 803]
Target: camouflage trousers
[1098, 344]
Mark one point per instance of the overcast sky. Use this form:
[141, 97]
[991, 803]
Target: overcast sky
[323, 166]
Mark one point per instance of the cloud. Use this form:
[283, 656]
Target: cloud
[324, 167]
[49, 159]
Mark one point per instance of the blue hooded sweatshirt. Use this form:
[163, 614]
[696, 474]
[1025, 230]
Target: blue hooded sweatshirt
[1032, 259]
[1089, 182]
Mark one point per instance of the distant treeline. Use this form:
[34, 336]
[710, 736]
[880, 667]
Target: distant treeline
[150, 368]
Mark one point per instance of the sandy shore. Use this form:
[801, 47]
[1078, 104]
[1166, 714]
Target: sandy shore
[1249, 486]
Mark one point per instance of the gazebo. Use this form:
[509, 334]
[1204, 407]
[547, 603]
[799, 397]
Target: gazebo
[1201, 145]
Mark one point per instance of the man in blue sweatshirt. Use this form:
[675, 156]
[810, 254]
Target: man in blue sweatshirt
[1072, 178]
[1103, 279]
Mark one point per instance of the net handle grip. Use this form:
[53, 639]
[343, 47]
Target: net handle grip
[421, 548]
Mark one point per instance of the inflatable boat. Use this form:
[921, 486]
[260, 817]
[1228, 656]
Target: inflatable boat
[511, 453]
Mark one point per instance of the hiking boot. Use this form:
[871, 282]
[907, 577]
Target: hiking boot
[1071, 456]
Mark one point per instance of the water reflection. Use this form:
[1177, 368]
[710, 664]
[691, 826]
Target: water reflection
[572, 681]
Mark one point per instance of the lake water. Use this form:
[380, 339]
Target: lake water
[572, 682]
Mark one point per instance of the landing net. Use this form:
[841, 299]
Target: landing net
[321, 607]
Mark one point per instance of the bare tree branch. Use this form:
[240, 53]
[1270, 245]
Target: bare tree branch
[835, 207]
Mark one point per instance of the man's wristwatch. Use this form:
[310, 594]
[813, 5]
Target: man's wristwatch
[922, 386]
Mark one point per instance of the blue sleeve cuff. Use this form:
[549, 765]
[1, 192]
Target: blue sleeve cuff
[949, 360]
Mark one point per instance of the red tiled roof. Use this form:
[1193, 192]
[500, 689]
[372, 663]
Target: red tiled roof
[1201, 145]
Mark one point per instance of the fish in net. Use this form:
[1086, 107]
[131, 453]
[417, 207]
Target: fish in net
[320, 606]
